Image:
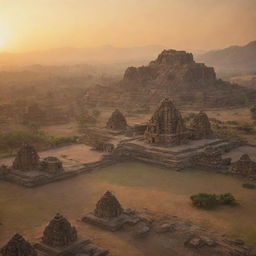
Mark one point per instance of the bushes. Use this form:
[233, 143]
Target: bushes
[204, 200]
[10, 141]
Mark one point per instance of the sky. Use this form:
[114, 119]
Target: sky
[28, 25]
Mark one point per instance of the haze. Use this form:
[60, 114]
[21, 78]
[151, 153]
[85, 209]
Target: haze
[27, 25]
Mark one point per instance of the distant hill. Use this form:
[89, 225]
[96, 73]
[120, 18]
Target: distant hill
[231, 59]
[92, 55]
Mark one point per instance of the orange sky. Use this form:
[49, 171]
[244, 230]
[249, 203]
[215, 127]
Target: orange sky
[181, 24]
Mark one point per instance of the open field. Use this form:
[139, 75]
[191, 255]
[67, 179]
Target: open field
[137, 186]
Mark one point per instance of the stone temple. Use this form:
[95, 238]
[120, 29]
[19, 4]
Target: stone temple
[117, 121]
[18, 246]
[166, 125]
[244, 166]
[26, 159]
[59, 232]
[201, 126]
[109, 214]
[108, 206]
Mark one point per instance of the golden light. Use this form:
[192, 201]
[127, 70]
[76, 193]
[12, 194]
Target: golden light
[3, 37]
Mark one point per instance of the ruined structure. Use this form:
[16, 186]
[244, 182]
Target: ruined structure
[60, 238]
[109, 214]
[201, 126]
[18, 246]
[108, 206]
[244, 166]
[26, 159]
[211, 158]
[51, 165]
[117, 121]
[59, 232]
[166, 125]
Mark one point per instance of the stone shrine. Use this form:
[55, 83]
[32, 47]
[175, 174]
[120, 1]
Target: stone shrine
[244, 166]
[166, 125]
[52, 165]
[109, 214]
[18, 246]
[117, 121]
[26, 159]
[108, 206]
[59, 232]
[201, 126]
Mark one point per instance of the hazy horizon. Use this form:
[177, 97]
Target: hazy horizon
[180, 24]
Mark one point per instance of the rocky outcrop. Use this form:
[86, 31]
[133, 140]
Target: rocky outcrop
[201, 127]
[174, 74]
[244, 166]
[166, 125]
[26, 159]
[18, 246]
[59, 232]
[117, 121]
[108, 206]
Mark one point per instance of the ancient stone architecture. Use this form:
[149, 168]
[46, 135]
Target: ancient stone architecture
[109, 214]
[60, 238]
[51, 165]
[201, 126]
[26, 159]
[212, 158]
[59, 232]
[244, 166]
[117, 121]
[108, 206]
[18, 246]
[166, 125]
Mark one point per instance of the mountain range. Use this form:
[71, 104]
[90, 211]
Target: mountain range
[231, 59]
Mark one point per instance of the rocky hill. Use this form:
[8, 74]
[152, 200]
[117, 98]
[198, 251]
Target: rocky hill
[174, 74]
[233, 58]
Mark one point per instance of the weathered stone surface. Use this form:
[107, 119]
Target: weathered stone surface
[244, 166]
[212, 158]
[166, 125]
[52, 165]
[59, 232]
[108, 206]
[117, 121]
[26, 159]
[104, 147]
[201, 126]
[18, 246]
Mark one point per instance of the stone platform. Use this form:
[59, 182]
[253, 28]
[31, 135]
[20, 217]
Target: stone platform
[179, 156]
[112, 224]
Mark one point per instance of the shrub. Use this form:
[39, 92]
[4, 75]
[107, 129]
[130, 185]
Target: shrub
[204, 200]
[227, 199]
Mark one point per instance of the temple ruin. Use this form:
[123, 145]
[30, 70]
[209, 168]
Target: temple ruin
[26, 159]
[201, 126]
[117, 121]
[166, 125]
[52, 165]
[59, 232]
[212, 158]
[109, 214]
[244, 166]
[61, 238]
[18, 246]
[108, 206]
